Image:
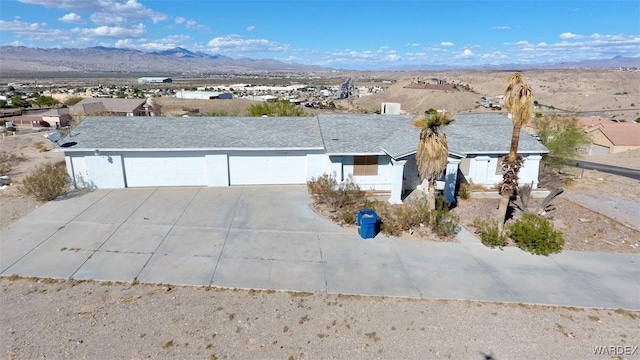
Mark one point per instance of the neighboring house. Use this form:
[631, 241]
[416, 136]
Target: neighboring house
[610, 137]
[57, 118]
[376, 151]
[115, 107]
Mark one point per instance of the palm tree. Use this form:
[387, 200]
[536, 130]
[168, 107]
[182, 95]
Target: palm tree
[518, 100]
[433, 150]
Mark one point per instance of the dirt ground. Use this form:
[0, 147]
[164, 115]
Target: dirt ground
[80, 320]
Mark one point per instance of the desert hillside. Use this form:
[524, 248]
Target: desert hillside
[610, 93]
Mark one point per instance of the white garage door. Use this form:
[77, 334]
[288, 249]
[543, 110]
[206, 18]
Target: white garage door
[165, 171]
[272, 169]
[599, 150]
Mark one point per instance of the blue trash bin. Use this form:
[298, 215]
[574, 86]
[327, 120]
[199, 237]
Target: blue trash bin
[368, 221]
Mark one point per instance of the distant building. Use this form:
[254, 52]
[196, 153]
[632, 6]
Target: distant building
[203, 95]
[389, 108]
[154, 80]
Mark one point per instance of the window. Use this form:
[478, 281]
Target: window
[365, 165]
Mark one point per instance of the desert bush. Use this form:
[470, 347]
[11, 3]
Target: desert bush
[326, 190]
[464, 192]
[489, 232]
[442, 221]
[72, 100]
[342, 199]
[536, 235]
[46, 182]
[7, 162]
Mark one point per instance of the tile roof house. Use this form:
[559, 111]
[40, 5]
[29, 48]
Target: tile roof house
[377, 151]
[609, 136]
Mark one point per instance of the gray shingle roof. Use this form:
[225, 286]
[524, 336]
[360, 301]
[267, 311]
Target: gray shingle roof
[140, 132]
[487, 134]
[336, 133]
[366, 134]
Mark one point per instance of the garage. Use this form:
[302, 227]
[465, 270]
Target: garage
[165, 170]
[599, 149]
[273, 168]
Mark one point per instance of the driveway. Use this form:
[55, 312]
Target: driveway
[269, 238]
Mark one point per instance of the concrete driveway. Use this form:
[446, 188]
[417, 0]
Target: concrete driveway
[269, 238]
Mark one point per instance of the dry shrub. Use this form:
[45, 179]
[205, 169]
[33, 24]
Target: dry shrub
[342, 199]
[46, 182]
[7, 162]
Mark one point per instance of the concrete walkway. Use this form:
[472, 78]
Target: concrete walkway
[268, 238]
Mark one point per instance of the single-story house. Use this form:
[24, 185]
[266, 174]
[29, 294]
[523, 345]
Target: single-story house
[203, 95]
[57, 118]
[376, 151]
[115, 107]
[608, 136]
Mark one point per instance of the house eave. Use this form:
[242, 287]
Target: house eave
[190, 149]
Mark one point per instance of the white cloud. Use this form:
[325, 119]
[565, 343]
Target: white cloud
[106, 19]
[502, 27]
[71, 18]
[230, 44]
[446, 43]
[568, 35]
[190, 24]
[465, 54]
[125, 44]
[251, 28]
[128, 9]
[112, 32]
[413, 44]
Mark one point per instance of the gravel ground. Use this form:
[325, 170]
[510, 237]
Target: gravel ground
[76, 320]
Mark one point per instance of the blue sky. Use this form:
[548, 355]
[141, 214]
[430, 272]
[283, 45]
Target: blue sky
[369, 34]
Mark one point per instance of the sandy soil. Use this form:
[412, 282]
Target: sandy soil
[78, 320]
[610, 93]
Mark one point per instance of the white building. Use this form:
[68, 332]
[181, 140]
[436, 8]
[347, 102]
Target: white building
[377, 151]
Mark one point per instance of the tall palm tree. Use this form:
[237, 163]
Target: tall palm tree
[518, 100]
[433, 150]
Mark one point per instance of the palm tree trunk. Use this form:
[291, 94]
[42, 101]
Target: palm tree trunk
[432, 195]
[510, 168]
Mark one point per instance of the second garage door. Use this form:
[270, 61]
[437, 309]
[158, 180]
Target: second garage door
[272, 169]
[165, 171]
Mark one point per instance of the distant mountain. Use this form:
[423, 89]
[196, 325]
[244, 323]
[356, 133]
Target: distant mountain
[104, 59]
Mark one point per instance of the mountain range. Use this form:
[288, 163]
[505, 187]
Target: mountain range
[19, 59]
[16, 59]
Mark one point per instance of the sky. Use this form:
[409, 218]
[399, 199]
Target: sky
[359, 35]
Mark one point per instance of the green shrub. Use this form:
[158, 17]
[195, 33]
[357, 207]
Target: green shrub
[464, 192]
[442, 221]
[489, 234]
[536, 235]
[46, 182]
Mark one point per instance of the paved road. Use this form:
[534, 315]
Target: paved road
[611, 169]
[268, 238]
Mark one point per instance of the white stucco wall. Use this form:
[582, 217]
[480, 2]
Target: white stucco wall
[105, 171]
[482, 170]
[344, 165]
